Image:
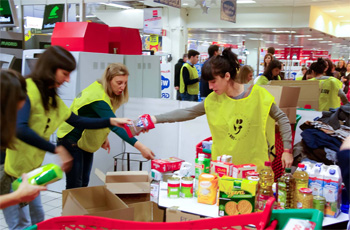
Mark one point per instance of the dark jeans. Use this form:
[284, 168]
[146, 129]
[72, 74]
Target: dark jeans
[188, 97]
[79, 175]
[178, 95]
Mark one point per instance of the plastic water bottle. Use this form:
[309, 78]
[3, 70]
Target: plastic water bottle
[44, 175]
[301, 180]
[266, 180]
[286, 190]
[144, 122]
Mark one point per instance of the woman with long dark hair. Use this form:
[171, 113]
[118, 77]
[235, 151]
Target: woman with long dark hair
[271, 73]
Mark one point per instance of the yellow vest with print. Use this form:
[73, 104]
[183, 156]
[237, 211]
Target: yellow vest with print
[191, 89]
[242, 128]
[91, 139]
[24, 158]
[264, 80]
[329, 98]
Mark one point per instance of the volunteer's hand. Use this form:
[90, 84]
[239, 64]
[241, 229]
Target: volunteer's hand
[66, 158]
[120, 121]
[177, 87]
[27, 192]
[106, 145]
[287, 160]
[145, 151]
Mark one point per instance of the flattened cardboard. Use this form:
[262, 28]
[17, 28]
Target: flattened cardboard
[291, 113]
[309, 92]
[95, 201]
[178, 216]
[147, 212]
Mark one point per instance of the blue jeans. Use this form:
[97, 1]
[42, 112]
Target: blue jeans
[79, 175]
[20, 218]
[188, 97]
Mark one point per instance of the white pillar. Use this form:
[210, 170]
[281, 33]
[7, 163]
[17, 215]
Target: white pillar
[253, 48]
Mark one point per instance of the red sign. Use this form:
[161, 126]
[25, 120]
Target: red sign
[163, 33]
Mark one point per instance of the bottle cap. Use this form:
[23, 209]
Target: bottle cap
[267, 163]
[301, 165]
[288, 170]
[305, 190]
[332, 171]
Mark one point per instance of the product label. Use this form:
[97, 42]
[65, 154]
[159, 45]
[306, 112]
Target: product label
[261, 202]
[330, 192]
[282, 195]
[220, 171]
[316, 187]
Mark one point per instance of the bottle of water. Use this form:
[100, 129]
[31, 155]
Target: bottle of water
[266, 180]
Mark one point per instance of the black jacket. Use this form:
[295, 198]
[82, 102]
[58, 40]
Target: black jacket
[177, 72]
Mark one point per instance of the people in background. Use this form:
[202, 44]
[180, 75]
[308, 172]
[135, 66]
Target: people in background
[177, 71]
[329, 69]
[271, 73]
[99, 100]
[231, 113]
[301, 73]
[267, 59]
[307, 75]
[189, 80]
[213, 50]
[330, 87]
[346, 79]
[271, 50]
[245, 75]
[37, 120]
[13, 95]
[341, 67]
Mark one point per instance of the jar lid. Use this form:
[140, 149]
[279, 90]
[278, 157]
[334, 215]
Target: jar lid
[305, 190]
[252, 173]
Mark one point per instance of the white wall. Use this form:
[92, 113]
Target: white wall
[132, 18]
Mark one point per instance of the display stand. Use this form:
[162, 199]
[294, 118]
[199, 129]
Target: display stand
[127, 156]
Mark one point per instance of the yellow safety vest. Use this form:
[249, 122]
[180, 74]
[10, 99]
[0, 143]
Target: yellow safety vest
[242, 128]
[191, 89]
[300, 78]
[329, 98]
[264, 81]
[24, 158]
[91, 139]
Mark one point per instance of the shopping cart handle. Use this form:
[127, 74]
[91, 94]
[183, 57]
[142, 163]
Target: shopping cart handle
[266, 214]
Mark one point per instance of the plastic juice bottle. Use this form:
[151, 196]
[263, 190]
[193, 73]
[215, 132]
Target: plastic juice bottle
[301, 180]
[264, 186]
[41, 176]
[202, 165]
[286, 190]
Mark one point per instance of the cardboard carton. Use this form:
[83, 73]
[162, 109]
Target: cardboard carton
[166, 165]
[130, 186]
[309, 92]
[95, 201]
[147, 212]
[286, 98]
[173, 215]
[221, 168]
[240, 171]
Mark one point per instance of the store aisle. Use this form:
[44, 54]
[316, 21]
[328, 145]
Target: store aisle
[52, 203]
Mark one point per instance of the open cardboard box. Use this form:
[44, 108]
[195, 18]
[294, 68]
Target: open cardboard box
[130, 186]
[286, 99]
[309, 92]
[95, 201]
[173, 215]
[147, 211]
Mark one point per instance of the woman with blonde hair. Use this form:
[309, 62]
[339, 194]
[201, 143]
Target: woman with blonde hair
[245, 74]
[101, 99]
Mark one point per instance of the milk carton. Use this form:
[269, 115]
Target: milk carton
[316, 182]
[332, 191]
[308, 166]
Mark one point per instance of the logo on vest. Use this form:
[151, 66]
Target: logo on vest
[326, 91]
[240, 128]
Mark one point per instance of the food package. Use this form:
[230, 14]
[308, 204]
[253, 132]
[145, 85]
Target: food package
[207, 188]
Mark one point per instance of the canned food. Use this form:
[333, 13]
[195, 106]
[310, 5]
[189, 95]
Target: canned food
[319, 203]
[304, 198]
[174, 187]
[186, 187]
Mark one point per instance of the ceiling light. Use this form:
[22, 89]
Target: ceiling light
[315, 39]
[215, 31]
[116, 5]
[325, 41]
[283, 31]
[256, 39]
[302, 36]
[237, 35]
[185, 4]
[340, 16]
[245, 1]
[269, 42]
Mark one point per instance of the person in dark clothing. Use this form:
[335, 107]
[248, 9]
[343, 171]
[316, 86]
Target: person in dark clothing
[213, 50]
[189, 80]
[177, 71]
[271, 50]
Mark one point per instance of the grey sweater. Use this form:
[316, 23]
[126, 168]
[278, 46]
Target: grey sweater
[198, 110]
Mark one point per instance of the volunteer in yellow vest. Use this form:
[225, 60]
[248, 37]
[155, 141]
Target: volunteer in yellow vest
[101, 99]
[189, 81]
[241, 118]
[37, 120]
[271, 72]
[330, 87]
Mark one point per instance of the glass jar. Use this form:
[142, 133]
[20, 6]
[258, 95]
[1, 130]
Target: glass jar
[304, 198]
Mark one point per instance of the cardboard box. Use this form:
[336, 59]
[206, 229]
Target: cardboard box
[309, 92]
[95, 201]
[240, 171]
[286, 99]
[173, 215]
[221, 168]
[147, 212]
[130, 186]
[167, 165]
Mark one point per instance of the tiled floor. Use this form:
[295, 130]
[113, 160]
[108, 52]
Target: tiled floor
[52, 204]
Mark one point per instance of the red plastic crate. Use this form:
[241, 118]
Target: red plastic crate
[199, 148]
[260, 220]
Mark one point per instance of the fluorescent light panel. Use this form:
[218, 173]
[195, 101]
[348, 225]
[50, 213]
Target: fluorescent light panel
[245, 2]
[302, 36]
[116, 5]
[283, 31]
[237, 35]
[215, 31]
[315, 39]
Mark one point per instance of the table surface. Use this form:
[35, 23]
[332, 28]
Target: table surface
[191, 205]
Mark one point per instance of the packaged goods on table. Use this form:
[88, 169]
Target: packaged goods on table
[236, 196]
[221, 168]
[265, 186]
[304, 198]
[166, 165]
[207, 188]
[286, 190]
[240, 171]
[202, 166]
